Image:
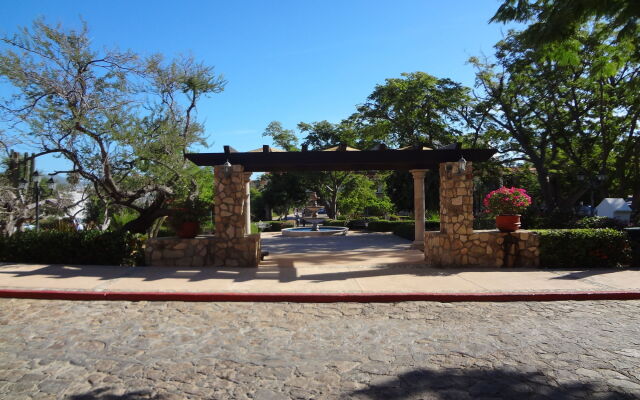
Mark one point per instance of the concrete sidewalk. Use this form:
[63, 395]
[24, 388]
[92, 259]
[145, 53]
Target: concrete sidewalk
[338, 280]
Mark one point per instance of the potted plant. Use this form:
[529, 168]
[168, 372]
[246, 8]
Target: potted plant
[186, 217]
[507, 204]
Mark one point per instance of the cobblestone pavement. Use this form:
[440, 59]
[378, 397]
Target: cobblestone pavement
[173, 350]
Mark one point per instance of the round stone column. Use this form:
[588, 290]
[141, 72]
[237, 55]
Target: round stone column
[247, 202]
[418, 206]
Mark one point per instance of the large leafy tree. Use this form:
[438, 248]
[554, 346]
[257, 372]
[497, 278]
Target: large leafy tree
[556, 20]
[565, 119]
[554, 24]
[121, 120]
[283, 138]
[417, 109]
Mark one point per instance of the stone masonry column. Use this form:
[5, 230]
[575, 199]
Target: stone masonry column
[418, 206]
[229, 202]
[247, 202]
[456, 200]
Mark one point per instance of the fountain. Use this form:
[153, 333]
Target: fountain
[315, 230]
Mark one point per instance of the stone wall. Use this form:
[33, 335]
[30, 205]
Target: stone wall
[457, 244]
[483, 249]
[202, 251]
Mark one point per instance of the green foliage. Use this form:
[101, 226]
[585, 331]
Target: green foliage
[400, 218]
[335, 222]
[121, 218]
[123, 121]
[553, 23]
[277, 226]
[385, 226]
[189, 210]
[599, 223]
[551, 220]
[484, 222]
[583, 248]
[283, 138]
[324, 134]
[565, 120]
[399, 189]
[57, 224]
[81, 247]
[284, 191]
[390, 226]
[405, 231]
[417, 109]
[258, 206]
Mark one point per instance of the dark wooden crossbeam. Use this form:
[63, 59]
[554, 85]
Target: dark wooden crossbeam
[341, 160]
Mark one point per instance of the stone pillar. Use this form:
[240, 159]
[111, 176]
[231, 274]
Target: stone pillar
[247, 202]
[233, 247]
[418, 206]
[229, 203]
[456, 199]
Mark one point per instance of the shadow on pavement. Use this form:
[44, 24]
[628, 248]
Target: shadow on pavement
[574, 275]
[107, 394]
[483, 384]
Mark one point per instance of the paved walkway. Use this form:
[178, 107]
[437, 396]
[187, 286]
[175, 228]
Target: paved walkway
[309, 279]
[265, 351]
[360, 263]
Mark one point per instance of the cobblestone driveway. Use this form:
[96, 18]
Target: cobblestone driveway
[125, 350]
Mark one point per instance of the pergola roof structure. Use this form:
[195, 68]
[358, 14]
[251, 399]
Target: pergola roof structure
[341, 160]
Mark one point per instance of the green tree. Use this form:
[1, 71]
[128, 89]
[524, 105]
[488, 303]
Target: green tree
[554, 24]
[283, 138]
[417, 109]
[122, 121]
[557, 20]
[284, 191]
[565, 119]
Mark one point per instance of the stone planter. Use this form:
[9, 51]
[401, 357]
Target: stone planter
[508, 223]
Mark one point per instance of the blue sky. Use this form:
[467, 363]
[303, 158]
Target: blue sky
[289, 61]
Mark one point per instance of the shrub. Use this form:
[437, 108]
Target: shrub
[405, 231]
[81, 247]
[483, 223]
[583, 248]
[400, 218]
[390, 226]
[189, 210]
[599, 223]
[553, 220]
[335, 222]
[385, 226]
[277, 226]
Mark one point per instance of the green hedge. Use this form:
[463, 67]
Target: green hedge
[277, 226]
[385, 226]
[405, 231]
[599, 223]
[81, 247]
[335, 222]
[583, 248]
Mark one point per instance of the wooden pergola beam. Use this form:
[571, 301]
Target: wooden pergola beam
[368, 160]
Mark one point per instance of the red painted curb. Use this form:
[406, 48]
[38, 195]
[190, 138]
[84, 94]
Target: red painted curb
[319, 297]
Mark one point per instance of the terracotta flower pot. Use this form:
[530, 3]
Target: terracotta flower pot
[508, 223]
[188, 230]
